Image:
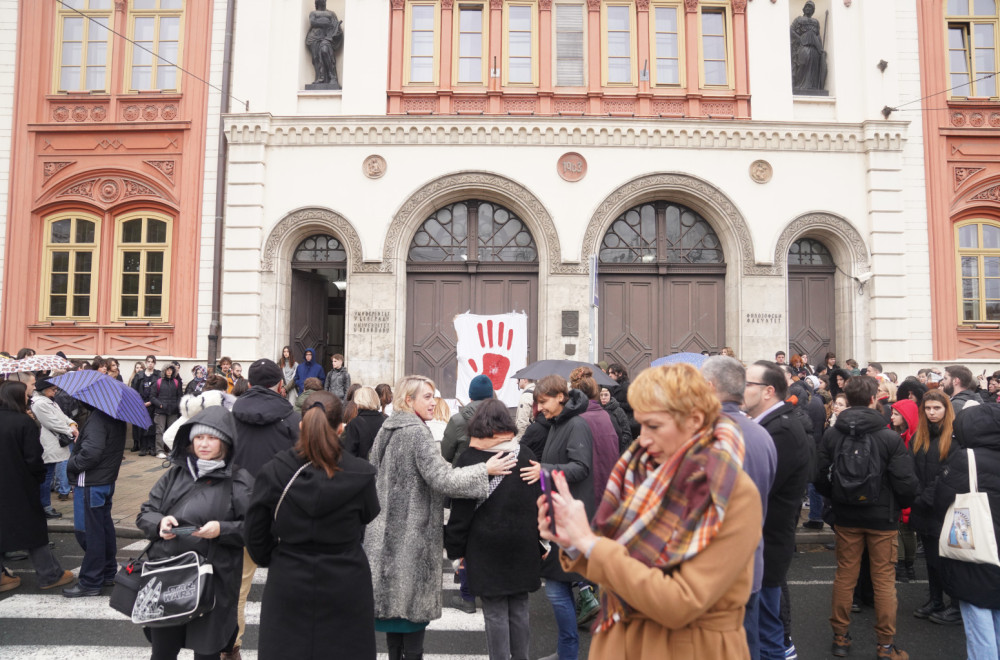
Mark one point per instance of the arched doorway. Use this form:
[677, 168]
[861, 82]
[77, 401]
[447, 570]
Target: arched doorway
[662, 280]
[472, 255]
[319, 296]
[811, 300]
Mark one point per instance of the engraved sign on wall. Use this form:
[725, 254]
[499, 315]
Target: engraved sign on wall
[571, 166]
[372, 321]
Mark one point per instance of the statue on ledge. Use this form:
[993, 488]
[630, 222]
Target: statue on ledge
[808, 56]
[324, 39]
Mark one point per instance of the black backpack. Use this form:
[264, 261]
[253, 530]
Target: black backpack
[856, 472]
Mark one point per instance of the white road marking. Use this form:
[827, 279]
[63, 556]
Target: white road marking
[806, 583]
[132, 652]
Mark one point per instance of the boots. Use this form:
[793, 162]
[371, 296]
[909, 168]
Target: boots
[901, 572]
[891, 652]
[949, 616]
[928, 608]
[841, 645]
[589, 607]
[911, 574]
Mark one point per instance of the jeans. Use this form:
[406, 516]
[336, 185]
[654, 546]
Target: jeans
[560, 595]
[982, 632]
[46, 487]
[46, 566]
[98, 538]
[751, 625]
[815, 504]
[507, 628]
[882, 551]
[772, 630]
[62, 481]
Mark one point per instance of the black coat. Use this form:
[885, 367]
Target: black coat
[536, 435]
[22, 521]
[499, 539]
[98, 450]
[796, 452]
[977, 428]
[166, 396]
[620, 393]
[927, 463]
[318, 599]
[266, 424]
[899, 481]
[621, 423]
[359, 434]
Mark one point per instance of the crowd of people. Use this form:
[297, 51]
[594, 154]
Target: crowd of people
[661, 511]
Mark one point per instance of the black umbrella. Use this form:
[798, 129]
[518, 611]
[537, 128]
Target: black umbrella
[543, 368]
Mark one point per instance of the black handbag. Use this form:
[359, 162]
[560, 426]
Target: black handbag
[65, 440]
[127, 584]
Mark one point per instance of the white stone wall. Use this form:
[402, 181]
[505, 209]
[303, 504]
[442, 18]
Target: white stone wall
[8, 57]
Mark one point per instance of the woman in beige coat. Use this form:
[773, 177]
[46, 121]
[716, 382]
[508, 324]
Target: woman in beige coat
[672, 543]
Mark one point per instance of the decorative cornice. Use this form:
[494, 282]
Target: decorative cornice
[545, 5]
[164, 167]
[398, 4]
[739, 6]
[108, 190]
[963, 173]
[642, 5]
[839, 235]
[52, 167]
[991, 194]
[308, 220]
[559, 131]
[691, 5]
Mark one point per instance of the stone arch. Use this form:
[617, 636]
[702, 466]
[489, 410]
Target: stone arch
[302, 222]
[107, 189]
[839, 236]
[697, 194]
[482, 185]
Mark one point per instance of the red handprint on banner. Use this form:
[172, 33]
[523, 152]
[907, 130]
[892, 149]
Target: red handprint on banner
[495, 365]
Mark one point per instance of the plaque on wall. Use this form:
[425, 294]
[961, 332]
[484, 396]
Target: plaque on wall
[572, 166]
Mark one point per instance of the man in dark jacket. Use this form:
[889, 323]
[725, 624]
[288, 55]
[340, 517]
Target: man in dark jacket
[93, 469]
[146, 386]
[871, 525]
[456, 434]
[618, 374]
[166, 400]
[959, 384]
[764, 401]
[266, 424]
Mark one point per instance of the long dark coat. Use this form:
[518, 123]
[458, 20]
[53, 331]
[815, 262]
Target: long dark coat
[318, 599]
[359, 434]
[211, 632]
[22, 521]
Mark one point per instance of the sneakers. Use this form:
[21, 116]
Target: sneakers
[841, 645]
[855, 606]
[51, 513]
[161, 455]
[949, 616]
[813, 524]
[890, 652]
[928, 608]
[790, 652]
[66, 578]
[9, 582]
[589, 607]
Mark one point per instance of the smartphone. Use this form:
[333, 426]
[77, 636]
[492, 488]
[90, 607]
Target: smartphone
[545, 479]
[184, 531]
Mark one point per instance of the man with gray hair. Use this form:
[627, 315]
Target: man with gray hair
[728, 377]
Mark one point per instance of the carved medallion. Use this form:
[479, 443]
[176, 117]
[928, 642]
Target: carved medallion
[109, 190]
[374, 166]
[149, 112]
[60, 113]
[995, 119]
[169, 112]
[957, 119]
[79, 113]
[761, 171]
[976, 119]
[131, 112]
[571, 166]
[98, 113]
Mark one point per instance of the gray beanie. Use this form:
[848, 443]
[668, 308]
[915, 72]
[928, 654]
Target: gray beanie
[205, 429]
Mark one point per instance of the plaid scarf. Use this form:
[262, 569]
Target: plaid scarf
[665, 514]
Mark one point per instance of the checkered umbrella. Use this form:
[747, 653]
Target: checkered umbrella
[106, 394]
[34, 363]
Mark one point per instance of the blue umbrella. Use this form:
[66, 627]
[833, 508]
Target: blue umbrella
[106, 394]
[694, 359]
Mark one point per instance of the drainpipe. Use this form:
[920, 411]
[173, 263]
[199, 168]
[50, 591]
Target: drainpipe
[215, 327]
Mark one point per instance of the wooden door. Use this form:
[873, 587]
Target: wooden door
[811, 311]
[693, 313]
[308, 314]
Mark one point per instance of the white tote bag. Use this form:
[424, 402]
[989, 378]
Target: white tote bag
[967, 534]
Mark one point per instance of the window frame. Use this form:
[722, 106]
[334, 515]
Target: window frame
[408, 45]
[979, 253]
[584, 41]
[144, 247]
[727, 21]
[967, 23]
[505, 46]
[681, 45]
[157, 15]
[48, 248]
[456, 53]
[633, 45]
[57, 65]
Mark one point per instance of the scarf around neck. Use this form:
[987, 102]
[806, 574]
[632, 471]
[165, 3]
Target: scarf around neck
[199, 467]
[665, 514]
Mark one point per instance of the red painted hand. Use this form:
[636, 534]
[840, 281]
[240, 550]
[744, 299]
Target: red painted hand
[495, 365]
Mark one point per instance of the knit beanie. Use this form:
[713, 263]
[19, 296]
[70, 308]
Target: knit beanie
[480, 388]
[205, 429]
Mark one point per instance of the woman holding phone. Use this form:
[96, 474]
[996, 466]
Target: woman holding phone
[678, 524]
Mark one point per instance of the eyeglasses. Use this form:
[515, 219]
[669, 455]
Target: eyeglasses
[750, 382]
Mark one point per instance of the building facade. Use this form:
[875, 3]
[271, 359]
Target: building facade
[481, 156]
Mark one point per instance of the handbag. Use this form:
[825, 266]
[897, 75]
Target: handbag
[65, 440]
[128, 581]
[967, 534]
[175, 590]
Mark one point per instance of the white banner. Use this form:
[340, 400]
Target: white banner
[495, 345]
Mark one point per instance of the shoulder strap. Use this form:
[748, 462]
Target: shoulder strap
[287, 486]
[973, 475]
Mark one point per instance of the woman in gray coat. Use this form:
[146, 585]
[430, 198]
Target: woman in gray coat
[405, 543]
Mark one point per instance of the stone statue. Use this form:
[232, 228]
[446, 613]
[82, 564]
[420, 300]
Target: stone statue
[324, 39]
[808, 56]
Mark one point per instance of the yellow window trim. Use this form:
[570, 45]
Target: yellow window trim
[633, 47]
[407, 43]
[970, 20]
[50, 247]
[484, 8]
[682, 59]
[143, 247]
[156, 14]
[62, 13]
[554, 64]
[978, 253]
[721, 7]
[505, 81]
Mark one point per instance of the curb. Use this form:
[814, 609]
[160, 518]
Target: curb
[814, 537]
[121, 531]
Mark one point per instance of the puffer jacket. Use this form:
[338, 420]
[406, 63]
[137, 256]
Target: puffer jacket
[97, 452]
[456, 433]
[166, 396]
[308, 369]
[338, 381]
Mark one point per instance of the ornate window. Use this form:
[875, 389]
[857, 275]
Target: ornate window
[70, 266]
[979, 270]
[421, 42]
[660, 232]
[83, 45]
[809, 252]
[471, 28]
[450, 233]
[619, 44]
[667, 42]
[155, 26]
[570, 46]
[142, 267]
[520, 39]
[715, 47]
[320, 249]
[972, 47]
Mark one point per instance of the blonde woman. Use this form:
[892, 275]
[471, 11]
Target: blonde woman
[437, 425]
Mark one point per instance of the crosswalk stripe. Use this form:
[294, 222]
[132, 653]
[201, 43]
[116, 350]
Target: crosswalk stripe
[132, 652]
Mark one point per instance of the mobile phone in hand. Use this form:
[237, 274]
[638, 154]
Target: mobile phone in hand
[545, 479]
[184, 531]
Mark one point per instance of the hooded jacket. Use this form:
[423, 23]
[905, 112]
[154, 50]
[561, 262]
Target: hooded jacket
[166, 395]
[965, 399]
[308, 369]
[97, 452]
[536, 435]
[456, 433]
[908, 411]
[265, 425]
[899, 482]
[978, 429]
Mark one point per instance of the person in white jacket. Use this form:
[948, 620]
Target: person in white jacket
[53, 422]
[524, 406]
